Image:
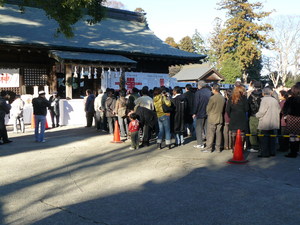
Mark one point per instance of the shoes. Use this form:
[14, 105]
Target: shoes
[159, 146]
[206, 150]
[144, 144]
[253, 150]
[43, 141]
[131, 148]
[6, 142]
[262, 156]
[199, 146]
[291, 155]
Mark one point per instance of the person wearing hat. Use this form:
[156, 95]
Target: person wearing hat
[40, 105]
[54, 109]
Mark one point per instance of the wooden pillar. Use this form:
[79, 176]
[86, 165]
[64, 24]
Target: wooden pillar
[22, 85]
[69, 81]
[122, 78]
[53, 79]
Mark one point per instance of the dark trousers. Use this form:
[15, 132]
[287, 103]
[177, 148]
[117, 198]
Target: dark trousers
[214, 130]
[111, 124]
[283, 141]
[3, 131]
[135, 139]
[146, 134]
[200, 130]
[99, 120]
[267, 143]
[89, 118]
[54, 118]
[227, 136]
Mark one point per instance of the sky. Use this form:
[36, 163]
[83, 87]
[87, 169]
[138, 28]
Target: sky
[179, 18]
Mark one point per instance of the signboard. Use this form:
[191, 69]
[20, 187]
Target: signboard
[139, 80]
[9, 78]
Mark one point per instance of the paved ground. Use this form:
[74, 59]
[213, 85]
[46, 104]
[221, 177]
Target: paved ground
[79, 177]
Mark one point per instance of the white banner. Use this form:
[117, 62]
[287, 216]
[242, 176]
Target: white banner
[138, 80]
[9, 78]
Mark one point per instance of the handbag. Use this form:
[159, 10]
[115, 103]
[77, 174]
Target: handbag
[165, 108]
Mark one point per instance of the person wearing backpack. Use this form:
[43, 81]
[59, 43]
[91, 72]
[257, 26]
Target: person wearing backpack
[254, 100]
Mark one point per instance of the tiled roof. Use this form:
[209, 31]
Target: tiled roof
[195, 72]
[111, 35]
[92, 57]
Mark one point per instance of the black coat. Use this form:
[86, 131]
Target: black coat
[254, 101]
[178, 116]
[190, 98]
[238, 114]
[146, 117]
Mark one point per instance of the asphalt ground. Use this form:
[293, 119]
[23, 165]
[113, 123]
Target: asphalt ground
[79, 177]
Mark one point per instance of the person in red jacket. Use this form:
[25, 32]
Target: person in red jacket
[134, 129]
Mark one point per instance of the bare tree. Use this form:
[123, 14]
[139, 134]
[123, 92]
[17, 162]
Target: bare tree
[285, 59]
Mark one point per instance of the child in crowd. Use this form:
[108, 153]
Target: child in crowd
[134, 128]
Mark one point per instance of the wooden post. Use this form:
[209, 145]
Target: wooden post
[53, 79]
[69, 81]
[122, 78]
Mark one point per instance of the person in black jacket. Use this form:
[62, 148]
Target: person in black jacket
[291, 113]
[4, 109]
[148, 122]
[178, 116]
[40, 105]
[202, 96]
[54, 109]
[254, 100]
[89, 107]
[189, 121]
[237, 109]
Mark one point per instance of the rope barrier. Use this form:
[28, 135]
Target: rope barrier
[272, 135]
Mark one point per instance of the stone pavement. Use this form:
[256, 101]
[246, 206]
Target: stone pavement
[79, 177]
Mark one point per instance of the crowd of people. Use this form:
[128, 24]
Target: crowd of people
[210, 115]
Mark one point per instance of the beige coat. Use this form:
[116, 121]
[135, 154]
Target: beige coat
[268, 114]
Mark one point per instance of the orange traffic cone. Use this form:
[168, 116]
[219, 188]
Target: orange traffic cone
[46, 125]
[238, 156]
[32, 121]
[117, 138]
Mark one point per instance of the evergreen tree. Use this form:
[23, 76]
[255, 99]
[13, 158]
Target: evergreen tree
[171, 41]
[215, 44]
[199, 43]
[186, 44]
[244, 34]
[230, 70]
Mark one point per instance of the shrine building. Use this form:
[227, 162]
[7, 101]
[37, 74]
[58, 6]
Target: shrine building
[33, 57]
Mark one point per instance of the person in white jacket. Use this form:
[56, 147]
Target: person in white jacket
[269, 122]
[16, 113]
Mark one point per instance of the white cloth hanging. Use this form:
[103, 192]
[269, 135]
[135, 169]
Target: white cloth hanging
[75, 72]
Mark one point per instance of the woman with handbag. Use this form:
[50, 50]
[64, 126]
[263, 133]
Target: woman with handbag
[162, 105]
[121, 111]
